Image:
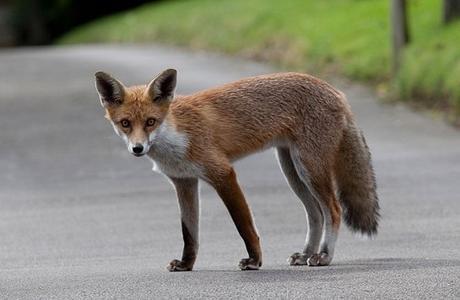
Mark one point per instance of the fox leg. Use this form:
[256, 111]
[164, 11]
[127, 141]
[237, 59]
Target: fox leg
[226, 185]
[189, 204]
[312, 208]
[332, 215]
[319, 182]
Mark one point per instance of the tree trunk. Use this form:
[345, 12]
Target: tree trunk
[450, 10]
[400, 31]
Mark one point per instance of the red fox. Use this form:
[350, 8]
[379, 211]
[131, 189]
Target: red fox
[321, 151]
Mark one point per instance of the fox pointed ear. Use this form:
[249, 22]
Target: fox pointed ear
[109, 89]
[163, 86]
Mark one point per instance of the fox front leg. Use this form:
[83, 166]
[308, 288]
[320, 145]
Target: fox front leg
[230, 192]
[187, 196]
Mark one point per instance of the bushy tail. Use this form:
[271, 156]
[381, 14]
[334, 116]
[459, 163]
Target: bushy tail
[356, 182]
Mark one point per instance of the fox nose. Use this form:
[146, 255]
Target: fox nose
[138, 148]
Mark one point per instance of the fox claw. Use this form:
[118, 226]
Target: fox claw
[321, 259]
[249, 264]
[298, 259]
[178, 266]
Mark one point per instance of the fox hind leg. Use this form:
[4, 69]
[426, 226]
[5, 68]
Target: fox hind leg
[332, 212]
[312, 209]
[320, 184]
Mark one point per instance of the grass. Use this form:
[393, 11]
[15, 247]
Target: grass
[350, 37]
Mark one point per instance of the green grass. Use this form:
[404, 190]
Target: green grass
[350, 37]
[431, 70]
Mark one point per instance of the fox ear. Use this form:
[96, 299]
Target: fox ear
[109, 89]
[163, 86]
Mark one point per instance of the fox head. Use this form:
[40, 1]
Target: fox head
[136, 112]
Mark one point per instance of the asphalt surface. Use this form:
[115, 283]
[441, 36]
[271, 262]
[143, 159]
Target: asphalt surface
[82, 218]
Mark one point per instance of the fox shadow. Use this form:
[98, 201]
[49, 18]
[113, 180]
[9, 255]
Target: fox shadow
[371, 266]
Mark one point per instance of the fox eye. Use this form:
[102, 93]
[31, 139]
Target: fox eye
[150, 122]
[125, 123]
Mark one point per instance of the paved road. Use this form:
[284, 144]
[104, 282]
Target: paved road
[81, 218]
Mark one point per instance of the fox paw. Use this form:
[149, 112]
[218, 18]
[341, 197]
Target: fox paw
[249, 264]
[321, 259]
[298, 259]
[178, 266]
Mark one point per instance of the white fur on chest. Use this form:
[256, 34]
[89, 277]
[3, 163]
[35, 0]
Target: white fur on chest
[168, 152]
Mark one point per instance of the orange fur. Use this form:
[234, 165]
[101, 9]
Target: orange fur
[291, 111]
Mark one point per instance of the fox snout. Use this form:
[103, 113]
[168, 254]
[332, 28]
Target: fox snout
[138, 149]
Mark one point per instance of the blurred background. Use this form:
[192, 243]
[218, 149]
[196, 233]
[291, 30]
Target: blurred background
[407, 50]
[80, 217]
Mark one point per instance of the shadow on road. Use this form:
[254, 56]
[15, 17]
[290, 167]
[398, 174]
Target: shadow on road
[330, 273]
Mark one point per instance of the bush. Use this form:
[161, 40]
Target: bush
[41, 21]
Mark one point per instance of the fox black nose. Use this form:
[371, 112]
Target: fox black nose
[138, 148]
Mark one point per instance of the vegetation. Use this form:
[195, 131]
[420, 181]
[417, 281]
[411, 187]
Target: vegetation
[347, 36]
[40, 21]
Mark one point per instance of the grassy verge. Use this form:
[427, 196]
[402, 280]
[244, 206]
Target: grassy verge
[347, 36]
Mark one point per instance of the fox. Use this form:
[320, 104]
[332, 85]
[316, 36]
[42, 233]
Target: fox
[190, 138]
